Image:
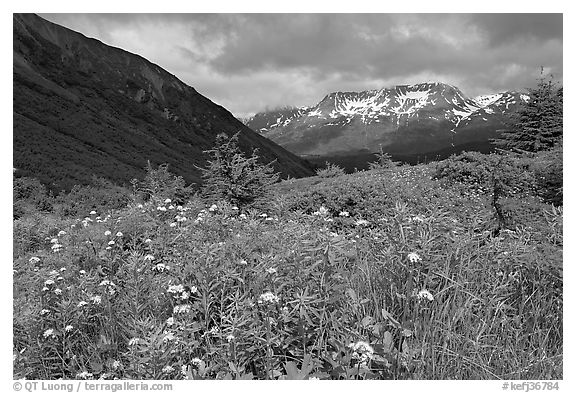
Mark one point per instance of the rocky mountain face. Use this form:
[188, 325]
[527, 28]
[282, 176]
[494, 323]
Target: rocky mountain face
[404, 120]
[83, 108]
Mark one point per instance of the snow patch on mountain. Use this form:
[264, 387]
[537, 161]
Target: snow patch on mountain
[487, 99]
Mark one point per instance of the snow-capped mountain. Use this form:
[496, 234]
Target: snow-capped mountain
[408, 119]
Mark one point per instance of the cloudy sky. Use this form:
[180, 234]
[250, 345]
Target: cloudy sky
[250, 62]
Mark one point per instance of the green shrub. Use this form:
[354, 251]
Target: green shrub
[547, 167]
[159, 184]
[29, 195]
[383, 161]
[101, 196]
[330, 170]
[235, 178]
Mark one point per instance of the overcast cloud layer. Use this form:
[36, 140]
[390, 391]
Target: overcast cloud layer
[250, 62]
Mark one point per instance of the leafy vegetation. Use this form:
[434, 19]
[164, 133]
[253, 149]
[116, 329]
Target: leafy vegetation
[394, 274]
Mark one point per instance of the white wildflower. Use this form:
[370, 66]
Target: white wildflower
[344, 214]
[230, 337]
[44, 312]
[84, 375]
[362, 351]
[82, 304]
[149, 257]
[170, 321]
[48, 282]
[167, 200]
[271, 270]
[93, 213]
[167, 369]
[181, 309]
[69, 328]
[133, 341]
[168, 337]
[96, 299]
[160, 267]
[61, 233]
[425, 294]
[413, 257]
[116, 364]
[268, 297]
[119, 234]
[48, 333]
[175, 288]
[58, 291]
[107, 233]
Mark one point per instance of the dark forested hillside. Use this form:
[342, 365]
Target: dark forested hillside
[82, 108]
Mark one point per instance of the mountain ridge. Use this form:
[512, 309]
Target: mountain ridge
[396, 118]
[84, 108]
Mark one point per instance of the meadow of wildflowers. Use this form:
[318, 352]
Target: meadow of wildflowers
[383, 274]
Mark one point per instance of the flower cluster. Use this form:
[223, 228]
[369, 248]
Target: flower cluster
[361, 351]
[268, 298]
[109, 286]
[56, 246]
[425, 294]
[181, 309]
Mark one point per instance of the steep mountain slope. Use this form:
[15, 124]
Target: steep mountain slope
[83, 108]
[406, 119]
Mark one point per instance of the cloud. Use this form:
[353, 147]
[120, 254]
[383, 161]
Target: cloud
[501, 29]
[247, 62]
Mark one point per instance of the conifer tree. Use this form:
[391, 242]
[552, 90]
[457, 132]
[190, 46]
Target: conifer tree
[233, 177]
[537, 125]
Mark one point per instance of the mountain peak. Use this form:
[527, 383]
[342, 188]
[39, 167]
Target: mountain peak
[392, 116]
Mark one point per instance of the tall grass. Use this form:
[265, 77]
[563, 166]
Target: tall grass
[376, 275]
